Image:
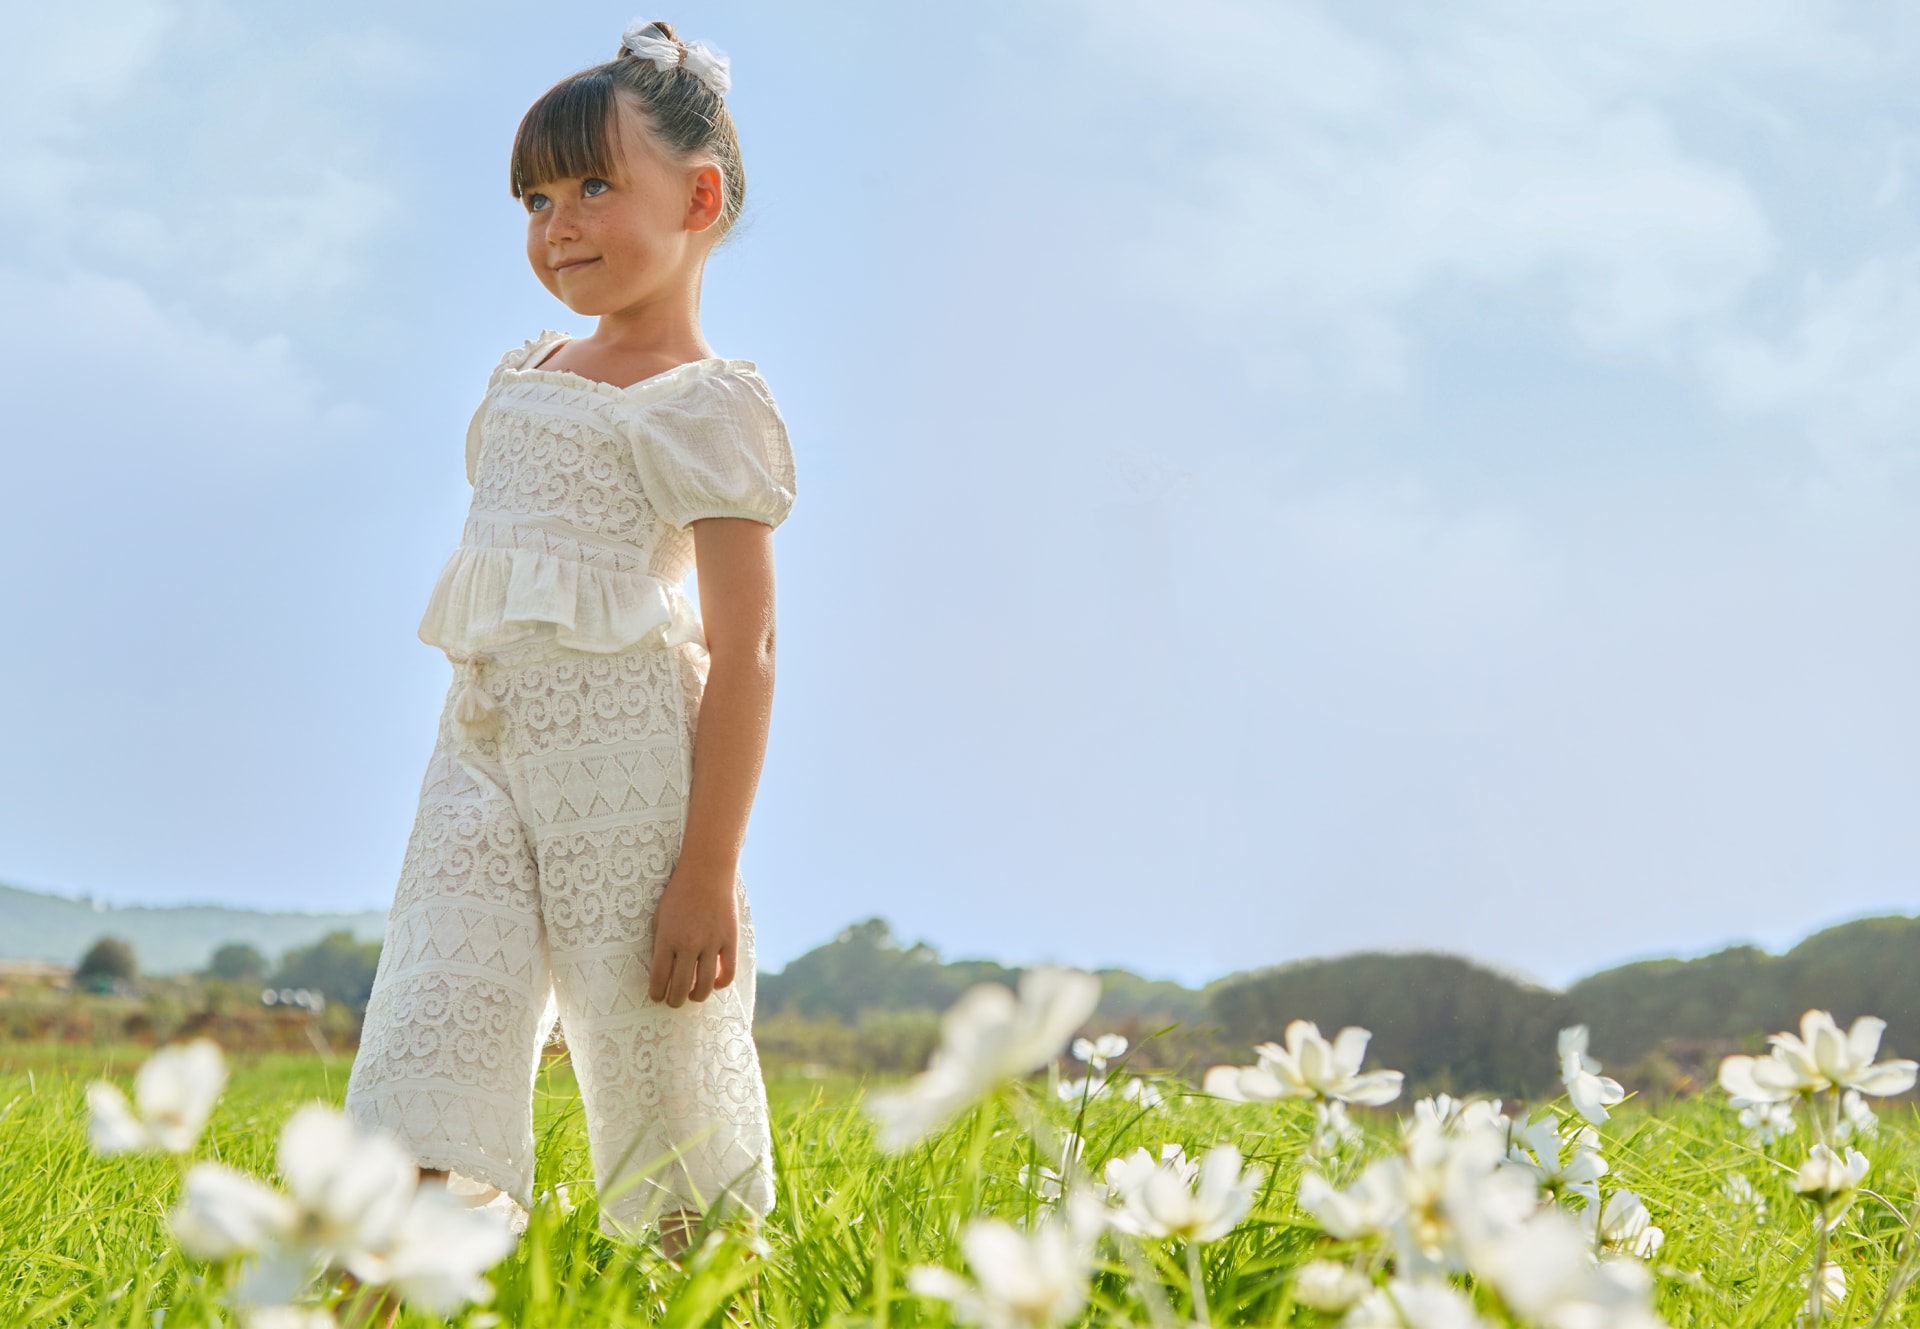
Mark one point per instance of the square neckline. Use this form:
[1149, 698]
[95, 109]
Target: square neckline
[548, 352]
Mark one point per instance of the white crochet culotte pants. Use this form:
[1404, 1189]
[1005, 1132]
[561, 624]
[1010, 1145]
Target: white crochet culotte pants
[547, 830]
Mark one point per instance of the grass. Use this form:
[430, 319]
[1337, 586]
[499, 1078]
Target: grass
[84, 1242]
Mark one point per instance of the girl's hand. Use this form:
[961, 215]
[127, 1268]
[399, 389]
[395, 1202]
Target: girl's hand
[695, 931]
[695, 927]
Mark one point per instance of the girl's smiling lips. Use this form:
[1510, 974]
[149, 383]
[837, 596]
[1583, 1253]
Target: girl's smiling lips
[576, 263]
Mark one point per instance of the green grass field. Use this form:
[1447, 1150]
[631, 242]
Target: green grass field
[84, 1240]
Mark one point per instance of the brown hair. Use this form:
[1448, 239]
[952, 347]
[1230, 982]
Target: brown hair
[565, 133]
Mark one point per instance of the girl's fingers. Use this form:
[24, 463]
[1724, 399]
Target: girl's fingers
[703, 970]
[681, 980]
[724, 975]
[660, 972]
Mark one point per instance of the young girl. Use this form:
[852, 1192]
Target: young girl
[581, 820]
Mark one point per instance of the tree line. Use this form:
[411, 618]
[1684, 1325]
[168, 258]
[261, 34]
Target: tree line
[1447, 1022]
[338, 966]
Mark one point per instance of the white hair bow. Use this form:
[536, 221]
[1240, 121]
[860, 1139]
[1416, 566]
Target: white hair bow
[644, 38]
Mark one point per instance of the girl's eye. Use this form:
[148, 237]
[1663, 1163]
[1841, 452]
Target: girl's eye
[534, 202]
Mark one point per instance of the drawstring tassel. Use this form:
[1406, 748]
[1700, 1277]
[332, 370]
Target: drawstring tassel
[474, 706]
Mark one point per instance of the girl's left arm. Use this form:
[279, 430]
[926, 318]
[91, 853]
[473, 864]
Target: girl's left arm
[696, 929]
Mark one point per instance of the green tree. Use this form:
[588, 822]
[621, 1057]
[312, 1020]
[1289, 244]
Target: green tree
[237, 960]
[107, 965]
[337, 965]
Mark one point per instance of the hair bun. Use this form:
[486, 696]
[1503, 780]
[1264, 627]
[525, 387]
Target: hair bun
[653, 41]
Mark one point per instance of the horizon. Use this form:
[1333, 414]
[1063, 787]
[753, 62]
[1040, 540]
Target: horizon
[1189, 982]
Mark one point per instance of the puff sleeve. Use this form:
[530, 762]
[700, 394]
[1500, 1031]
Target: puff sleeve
[718, 451]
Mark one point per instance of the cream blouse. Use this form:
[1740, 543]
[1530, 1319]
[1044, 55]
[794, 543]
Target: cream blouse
[582, 498]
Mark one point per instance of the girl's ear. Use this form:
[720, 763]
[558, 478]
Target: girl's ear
[709, 197]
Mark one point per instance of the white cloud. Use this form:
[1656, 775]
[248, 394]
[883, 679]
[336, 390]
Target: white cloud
[1850, 359]
[220, 164]
[1345, 175]
[154, 379]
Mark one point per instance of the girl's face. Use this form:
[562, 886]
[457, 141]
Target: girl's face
[607, 245]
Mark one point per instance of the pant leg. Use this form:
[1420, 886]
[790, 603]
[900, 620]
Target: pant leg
[598, 749]
[462, 1000]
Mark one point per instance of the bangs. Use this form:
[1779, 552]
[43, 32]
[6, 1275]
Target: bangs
[565, 133]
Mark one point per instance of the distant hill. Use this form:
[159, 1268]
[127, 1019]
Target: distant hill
[165, 938]
[866, 969]
[1446, 1021]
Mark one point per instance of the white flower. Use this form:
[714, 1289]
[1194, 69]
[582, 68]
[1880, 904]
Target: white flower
[1307, 1067]
[1592, 1093]
[1455, 1196]
[1323, 1285]
[173, 1095]
[1832, 1282]
[290, 1317]
[1021, 1280]
[1406, 1303]
[1446, 1115]
[1437, 1112]
[1126, 1175]
[1097, 1052]
[1560, 1163]
[1624, 1225]
[1543, 1269]
[1143, 1092]
[438, 1252]
[1440, 1197]
[351, 1186]
[1363, 1211]
[1768, 1121]
[1821, 1058]
[1741, 1191]
[1856, 1117]
[1332, 1128]
[988, 1036]
[1826, 1175]
[1172, 1202]
[223, 1212]
[1044, 1181]
[353, 1202]
[1087, 1087]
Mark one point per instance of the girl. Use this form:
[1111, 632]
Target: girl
[580, 824]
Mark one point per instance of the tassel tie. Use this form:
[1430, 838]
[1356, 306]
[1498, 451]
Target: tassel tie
[474, 708]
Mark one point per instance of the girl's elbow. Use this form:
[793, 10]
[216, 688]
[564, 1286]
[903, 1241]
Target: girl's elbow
[753, 652]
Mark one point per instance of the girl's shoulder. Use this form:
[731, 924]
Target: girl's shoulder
[523, 355]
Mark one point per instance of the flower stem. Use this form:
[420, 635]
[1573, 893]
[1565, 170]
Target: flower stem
[1816, 1286]
[1148, 1282]
[1197, 1282]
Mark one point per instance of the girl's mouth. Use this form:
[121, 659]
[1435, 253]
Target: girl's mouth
[576, 266]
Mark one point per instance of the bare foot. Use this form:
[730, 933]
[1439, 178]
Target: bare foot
[365, 1307]
[677, 1229]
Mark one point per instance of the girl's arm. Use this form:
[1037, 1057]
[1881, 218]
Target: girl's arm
[696, 930]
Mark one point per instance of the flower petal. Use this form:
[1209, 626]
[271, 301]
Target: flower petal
[111, 1126]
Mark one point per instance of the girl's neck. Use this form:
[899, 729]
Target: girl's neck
[666, 329]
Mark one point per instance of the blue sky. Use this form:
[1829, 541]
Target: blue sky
[1275, 479]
